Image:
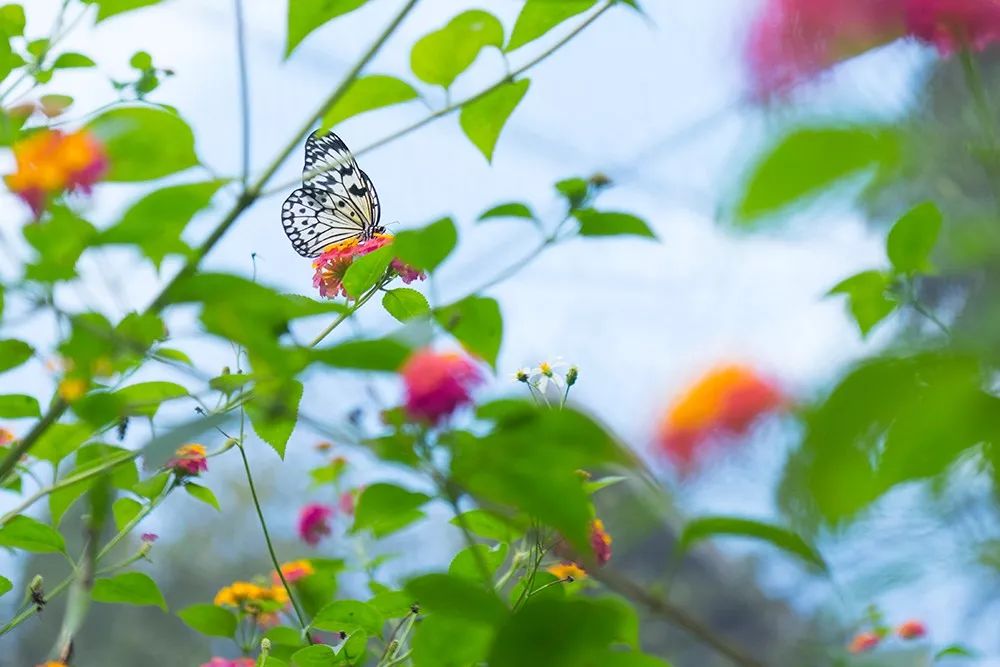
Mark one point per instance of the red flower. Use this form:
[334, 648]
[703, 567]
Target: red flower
[952, 24]
[863, 641]
[51, 162]
[337, 258]
[725, 402]
[600, 542]
[437, 384]
[912, 629]
[314, 523]
[189, 460]
[226, 662]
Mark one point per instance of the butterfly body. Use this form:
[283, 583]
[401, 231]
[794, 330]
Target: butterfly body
[337, 201]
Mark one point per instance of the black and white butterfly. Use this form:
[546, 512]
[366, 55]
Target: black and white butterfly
[337, 204]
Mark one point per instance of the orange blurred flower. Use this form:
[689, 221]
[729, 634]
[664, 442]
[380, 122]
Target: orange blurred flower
[570, 571]
[863, 641]
[51, 162]
[293, 571]
[71, 389]
[53, 663]
[724, 402]
[6, 437]
[912, 629]
[189, 459]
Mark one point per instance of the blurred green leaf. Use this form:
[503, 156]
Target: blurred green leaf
[304, 16]
[427, 247]
[174, 355]
[476, 322]
[109, 8]
[450, 595]
[12, 20]
[15, 406]
[441, 56]
[385, 508]
[484, 118]
[141, 60]
[144, 399]
[509, 210]
[315, 656]
[537, 17]
[60, 241]
[23, 532]
[144, 143]
[485, 524]
[59, 440]
[704, 528]
[869, 297]
[347, 616]
[13, 353]
[202, 493]
[274, 411]
[465, 564]
[124, 510]
[156, 222]
[383, 354]
[70, 60]
[450, 640]
[122, 474]
[209, 619]
[151, 487]
[912, 239]
[575, 190]
[368, 93]
[5, 586]
[365, 271]
[955, 651]
[6, 56]
[405, 304]
[812, 159]
[607, 223]
[133, 588]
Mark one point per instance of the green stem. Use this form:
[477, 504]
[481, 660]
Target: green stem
[551, 583]
[515, 564]
[346, 315]
[396, 639]
[241, 52]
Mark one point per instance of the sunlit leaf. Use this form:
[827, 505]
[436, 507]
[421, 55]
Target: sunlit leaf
[108, 8]
[537, 17]
[202, 493]
[124, 510]
[911, 240]
[144, 143]
[144, 399]
[70, 59]
[13, 353]
[23, 532]
[477, 323]
[441, 56]
[209, 619]
[304, 16]
[509, 210]
[703, 528]
[869, 297]
[607, 223]
[450, 595]
[383, 354]
[427, 247]
[466, 564]
[405, 304]
[386, 508]
[133, 588]
[5, 586]
[368, 93]
[483, 119]
[366, 271]
[347, 616]
[275, 411]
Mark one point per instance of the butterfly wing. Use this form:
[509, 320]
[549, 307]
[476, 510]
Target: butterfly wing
[342, 177]
[315, 218]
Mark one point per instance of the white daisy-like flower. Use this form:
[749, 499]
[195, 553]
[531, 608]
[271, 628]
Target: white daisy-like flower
[549, 373]
[522, 375]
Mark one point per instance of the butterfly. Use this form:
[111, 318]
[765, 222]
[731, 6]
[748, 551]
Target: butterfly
[338, 204]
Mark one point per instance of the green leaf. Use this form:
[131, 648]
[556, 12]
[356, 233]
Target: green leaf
[124, 510]
[713, 526]
[537, 17]
[427, 247]
[59, 440]
[275, 411]
[450, 640]
[368, 93]
[476, 322]
[109, 8]
[202, 493]
[483, 119]
[386, 508]
[383, 354]
[809, 160]
[319, 655]
[465, 564]
[151, 487]
[22, 532]
[304, 16]
[71, 60]
[869, 297]
[120, 472]
[156, 222]
[144, 143]
[366, 271]
[575, 190]
[7, 57]
[144, 399]
[59, 241]
[911, 240]
[441, 56]
[955, 651]
[606, 223]
[347, 616]
[133, 588]
[141, 60]
[405, 304]
[15, 406]
[449, 595]
[13, 353]
[12, 20]
[509, 210]
[209, 619]
[492, 527]
[5, 586]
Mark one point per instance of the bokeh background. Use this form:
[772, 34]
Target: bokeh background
[662, 105]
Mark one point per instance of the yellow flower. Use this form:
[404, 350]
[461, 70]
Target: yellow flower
[71, 389]
[6, 437]
[570, 571]
[53, 663]
[248, 596]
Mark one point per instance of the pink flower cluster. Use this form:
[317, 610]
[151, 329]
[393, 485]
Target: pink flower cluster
[226, 662]
[314, 523]
[793, 40]
[337, 258]
[437, 384]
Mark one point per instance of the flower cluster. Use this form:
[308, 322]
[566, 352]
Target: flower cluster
[227, 662]
[293, 572]
[51, 162]
[549, 381]
[6, 437]
[314, 523]
[793, 40]
[868, 640]
[567, 571]
[252, 598]
[189, 460]
[724, 403]
[437, 384]
[331, 266]
[600, 542]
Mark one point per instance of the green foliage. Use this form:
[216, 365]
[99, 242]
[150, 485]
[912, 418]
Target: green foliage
[537, 17]
[348, 616]
[703, 528]
[811, 159]
[5, 586]
[405, 304]
[386, 508]
[133, 588]
[315, 656]
[483, 119]
[456, 596]
[72, 60]
[606, 223]
[869, 297]
[202, 493]
[13, 406]
[23, 532]
[59, 244]
[509, 210]
[209, 619]
[383, 354]
[275, 411]
[465, 564]
[118, 469]
[426, 248]
[366, 271]
[13, 353]
[304, 16]
[441, 56]
[913, 237]
[144, 143]
[124, 510]
[368, 93]
[476, 322]
[485, 524]
[109, 8]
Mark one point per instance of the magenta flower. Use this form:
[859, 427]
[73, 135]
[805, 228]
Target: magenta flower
[438, 384]
[314, 523]
[150, 537]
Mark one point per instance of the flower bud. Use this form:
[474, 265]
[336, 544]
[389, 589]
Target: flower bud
[571, 375]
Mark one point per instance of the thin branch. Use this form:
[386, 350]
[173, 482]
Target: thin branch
[241, 53]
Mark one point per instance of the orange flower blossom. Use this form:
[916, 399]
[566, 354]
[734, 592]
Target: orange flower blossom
[51, 162]
[337, 258]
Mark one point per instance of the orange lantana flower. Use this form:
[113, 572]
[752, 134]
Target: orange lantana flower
[570, 571]
[51, 162]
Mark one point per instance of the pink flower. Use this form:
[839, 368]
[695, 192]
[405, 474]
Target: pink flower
[912, 629]
[600, 542]
[189, 460]
[347, 501]
[226, 662]
[337, 258]
[314, 523]
[437, 384]
[150, 537]
[863, 642]
[952, 24]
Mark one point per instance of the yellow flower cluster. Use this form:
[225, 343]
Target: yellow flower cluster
[250, 597]
[570, 571]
